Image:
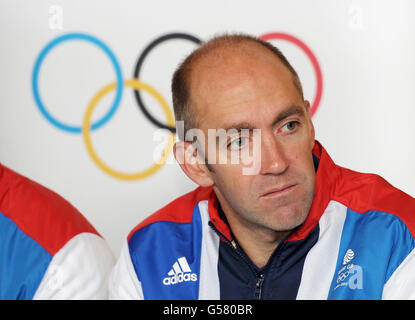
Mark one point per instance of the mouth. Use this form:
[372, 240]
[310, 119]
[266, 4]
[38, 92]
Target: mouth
[278, 191]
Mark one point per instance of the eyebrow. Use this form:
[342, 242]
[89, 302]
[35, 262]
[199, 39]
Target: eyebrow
[290, 111]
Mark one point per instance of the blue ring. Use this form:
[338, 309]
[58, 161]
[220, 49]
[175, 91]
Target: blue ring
[35, 75]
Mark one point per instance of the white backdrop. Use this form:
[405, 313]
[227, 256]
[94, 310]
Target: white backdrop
[365, 119]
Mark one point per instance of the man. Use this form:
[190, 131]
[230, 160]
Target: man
[48, 250]
[300, 228]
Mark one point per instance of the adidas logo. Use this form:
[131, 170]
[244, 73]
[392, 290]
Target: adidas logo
[180, 272]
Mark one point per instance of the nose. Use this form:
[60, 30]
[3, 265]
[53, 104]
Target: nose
[273, 156]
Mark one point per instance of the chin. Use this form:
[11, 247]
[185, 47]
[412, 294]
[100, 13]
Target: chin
[286, 219]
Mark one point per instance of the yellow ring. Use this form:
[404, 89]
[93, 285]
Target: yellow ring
[138, 85]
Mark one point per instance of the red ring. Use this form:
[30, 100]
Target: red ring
[310, 55]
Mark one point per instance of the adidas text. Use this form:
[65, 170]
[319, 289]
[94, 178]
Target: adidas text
[180, 272]
[178, 278]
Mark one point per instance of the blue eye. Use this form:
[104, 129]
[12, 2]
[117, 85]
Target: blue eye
[291, 126]
[238, 143]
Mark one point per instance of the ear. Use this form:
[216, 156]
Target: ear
[312, 133]
[192, 163]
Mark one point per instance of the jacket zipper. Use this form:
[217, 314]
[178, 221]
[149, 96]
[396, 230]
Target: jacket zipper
[258, 286]
[260, 276]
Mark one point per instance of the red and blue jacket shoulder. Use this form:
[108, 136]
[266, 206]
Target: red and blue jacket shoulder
[35, 223]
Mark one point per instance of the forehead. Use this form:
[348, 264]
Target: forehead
[241, 83]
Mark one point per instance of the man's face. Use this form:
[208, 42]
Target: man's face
[255, 90]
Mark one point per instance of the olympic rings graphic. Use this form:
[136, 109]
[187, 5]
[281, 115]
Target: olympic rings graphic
[35, 78]
[140, 61]
[138, 85]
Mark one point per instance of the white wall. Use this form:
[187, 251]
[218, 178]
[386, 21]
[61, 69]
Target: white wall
[365, 48]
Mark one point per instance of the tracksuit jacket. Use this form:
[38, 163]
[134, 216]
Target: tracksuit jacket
[48, 250]
[357, 242]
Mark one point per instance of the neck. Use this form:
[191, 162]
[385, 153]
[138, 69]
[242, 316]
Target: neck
[257, 242]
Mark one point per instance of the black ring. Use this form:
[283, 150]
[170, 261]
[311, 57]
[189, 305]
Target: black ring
[140, 61]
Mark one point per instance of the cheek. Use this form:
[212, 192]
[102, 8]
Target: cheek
[229, 179]
[301, 152]
[296, 154]
[302, 165]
